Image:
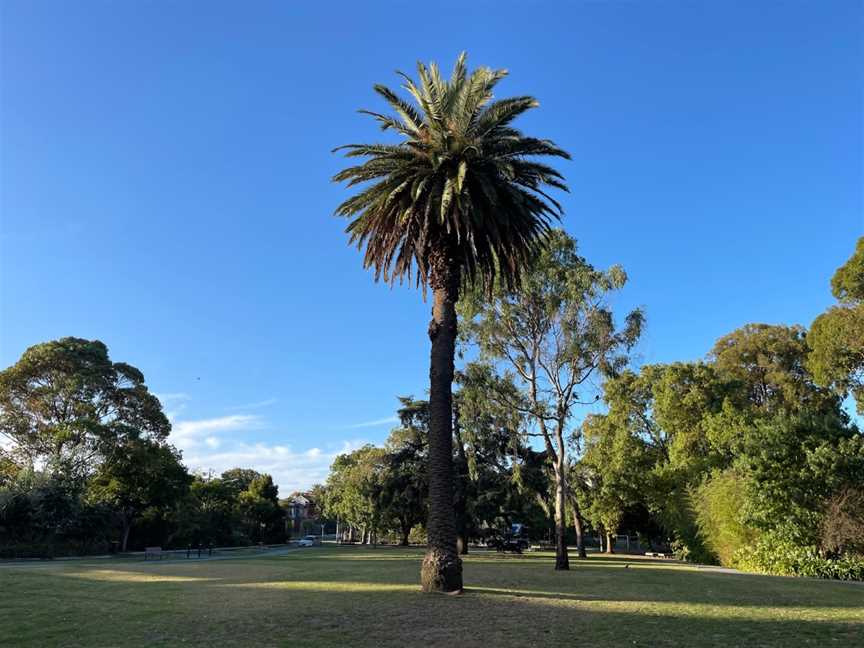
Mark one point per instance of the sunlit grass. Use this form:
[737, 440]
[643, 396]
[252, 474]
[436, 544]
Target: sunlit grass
[327, 586]
[369, 597]
[127, 576]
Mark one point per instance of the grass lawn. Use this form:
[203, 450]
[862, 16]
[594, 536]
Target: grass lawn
[369, 597]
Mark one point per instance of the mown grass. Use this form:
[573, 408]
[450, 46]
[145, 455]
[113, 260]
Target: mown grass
[369, 597]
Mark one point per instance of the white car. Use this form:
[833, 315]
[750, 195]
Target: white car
[307, 541]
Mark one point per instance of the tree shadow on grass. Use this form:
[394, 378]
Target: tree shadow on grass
[611, 581]
[373, 603]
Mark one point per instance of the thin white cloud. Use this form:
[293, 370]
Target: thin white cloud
[172, 397]
[291, 470]
[188, 434]
[221, 443]
[174, 403]
[256, 405]
[375, 423]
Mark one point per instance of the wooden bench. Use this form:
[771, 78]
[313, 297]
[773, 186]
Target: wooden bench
[154, 552]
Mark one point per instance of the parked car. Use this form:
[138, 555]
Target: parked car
[308, 541]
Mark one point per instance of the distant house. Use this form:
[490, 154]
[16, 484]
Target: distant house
[298, 507]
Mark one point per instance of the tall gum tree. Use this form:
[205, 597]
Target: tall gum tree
[459, 201]
[65, 408]
[836, 337]
[553, 336]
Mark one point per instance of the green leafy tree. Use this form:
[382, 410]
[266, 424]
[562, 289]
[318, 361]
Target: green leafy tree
[550, 337]
[65, 407]
[488, 437]
[837, 336]
[404, 488]
[769, 363]
[210, 514]
[259, 508]
[458, 201]
[795, 465]
[142, 474]
[354, 488]
[237, 480]
[614, 467]
[847, 284]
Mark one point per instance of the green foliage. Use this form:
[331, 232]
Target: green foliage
[44, 515]
[719, 502]
[768, 363]
[843, 522]
[780, 552]
[86, 453]
[258, 505]
[64, 406]
[837, 336]
[795, 464]
[613, 467]
[404, 489]
[847, 284]
[461, 184]
[353, 488]
[141, 474]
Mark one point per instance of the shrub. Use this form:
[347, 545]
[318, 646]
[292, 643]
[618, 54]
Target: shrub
[777, 553]
[719, 502]
[843, 524]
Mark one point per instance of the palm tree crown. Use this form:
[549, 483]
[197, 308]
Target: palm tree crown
[459, 194]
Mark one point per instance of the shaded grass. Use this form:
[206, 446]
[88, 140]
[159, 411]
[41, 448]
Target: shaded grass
[369, 597]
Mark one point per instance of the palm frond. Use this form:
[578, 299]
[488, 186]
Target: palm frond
[461, 188]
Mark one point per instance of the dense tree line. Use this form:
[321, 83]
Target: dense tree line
[747, 458]
[86, 466]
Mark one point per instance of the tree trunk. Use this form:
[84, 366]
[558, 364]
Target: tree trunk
[127, 527]
[577, 523]
[610, 544]
[406, 532]
[562, 560]
[460, 502]
[442, 567]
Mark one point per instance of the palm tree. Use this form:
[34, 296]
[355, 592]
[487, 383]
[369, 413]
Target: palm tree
[458, 202]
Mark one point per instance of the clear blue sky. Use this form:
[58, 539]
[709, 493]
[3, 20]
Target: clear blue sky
[165, 187]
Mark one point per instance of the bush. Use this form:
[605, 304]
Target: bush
[719, 502]
[843, 524]
[48, 550]
[777, 553]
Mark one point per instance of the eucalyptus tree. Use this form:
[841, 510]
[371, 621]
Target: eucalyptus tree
[353, 489]
[552, 336]
[837, 335]
[65, 407]
[459, 200]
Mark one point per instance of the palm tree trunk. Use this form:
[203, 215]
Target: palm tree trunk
[442, 567]
[461, 485]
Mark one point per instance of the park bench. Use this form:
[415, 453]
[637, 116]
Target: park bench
[153, 552]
